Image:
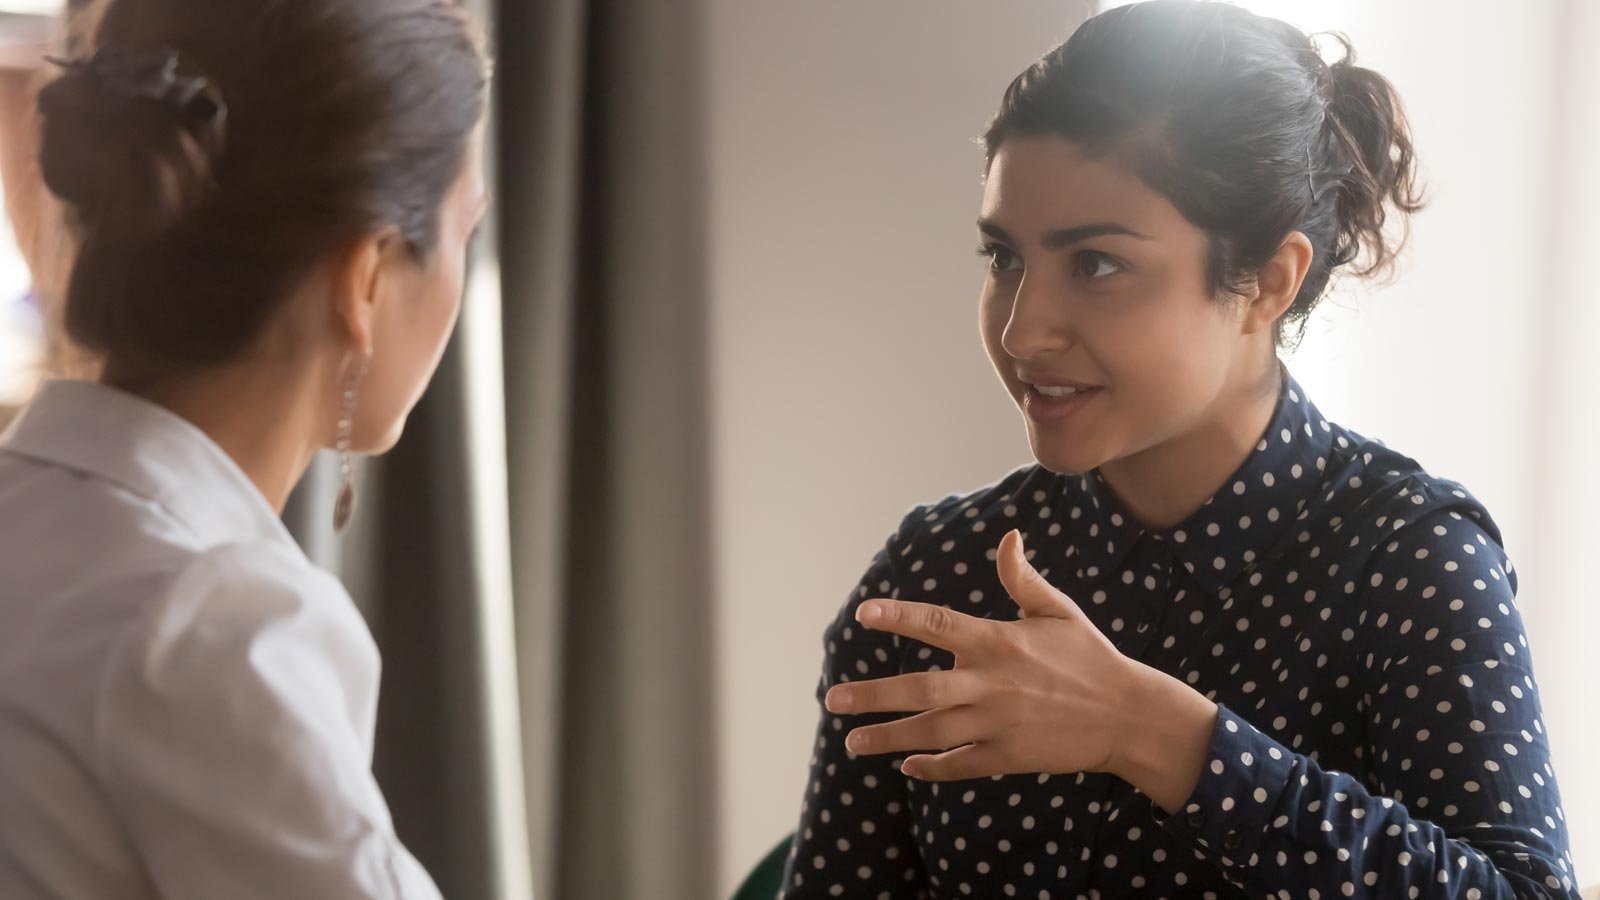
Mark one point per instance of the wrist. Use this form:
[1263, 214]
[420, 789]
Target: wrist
[1164, 748]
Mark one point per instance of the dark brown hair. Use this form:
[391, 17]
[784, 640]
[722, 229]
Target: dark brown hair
[342, 116]
[1236, 119]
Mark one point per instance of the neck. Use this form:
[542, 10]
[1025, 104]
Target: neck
[1165, 484]
[269, 418]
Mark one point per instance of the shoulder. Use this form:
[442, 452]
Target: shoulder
[235, 590]
[1437, 577]
[1446, 551]
[236, 624]
[1376, 496]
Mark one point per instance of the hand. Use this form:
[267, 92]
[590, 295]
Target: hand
[1047, 693]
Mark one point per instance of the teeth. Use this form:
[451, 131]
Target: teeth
[1055, 392]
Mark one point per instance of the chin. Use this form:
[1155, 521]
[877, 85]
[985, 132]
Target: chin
[385, 442]
[1063, 463]
[1063, 460]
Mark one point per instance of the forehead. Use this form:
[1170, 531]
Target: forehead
[1037, 183]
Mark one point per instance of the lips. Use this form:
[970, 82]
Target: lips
[1050, 399]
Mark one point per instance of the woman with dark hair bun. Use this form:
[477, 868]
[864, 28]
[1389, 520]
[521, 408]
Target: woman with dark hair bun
[1211, 644]
[270, 204]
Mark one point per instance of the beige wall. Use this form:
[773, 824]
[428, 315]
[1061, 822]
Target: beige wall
[849, 383]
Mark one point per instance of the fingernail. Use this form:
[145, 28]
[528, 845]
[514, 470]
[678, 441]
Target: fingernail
[856, 741]
[838, 700]
[1017, 547]
[908, 769]
[869, 613]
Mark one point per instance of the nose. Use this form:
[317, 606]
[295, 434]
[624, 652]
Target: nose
[1038, 325]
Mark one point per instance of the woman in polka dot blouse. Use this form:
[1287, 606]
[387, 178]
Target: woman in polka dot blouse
[1211, 644]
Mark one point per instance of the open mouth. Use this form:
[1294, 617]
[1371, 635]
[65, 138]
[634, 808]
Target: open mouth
[1060, 393]
[1046, 403]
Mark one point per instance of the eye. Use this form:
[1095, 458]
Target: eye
[1000, 257]
[1094, 264]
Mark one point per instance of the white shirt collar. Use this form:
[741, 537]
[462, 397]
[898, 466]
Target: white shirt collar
[146, 449]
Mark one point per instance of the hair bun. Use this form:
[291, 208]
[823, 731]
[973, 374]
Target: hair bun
[1373, 135]
[129, 147]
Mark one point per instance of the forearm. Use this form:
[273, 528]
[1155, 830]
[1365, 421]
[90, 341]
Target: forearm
[1273, 819]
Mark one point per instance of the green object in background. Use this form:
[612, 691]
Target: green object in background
[766, 879]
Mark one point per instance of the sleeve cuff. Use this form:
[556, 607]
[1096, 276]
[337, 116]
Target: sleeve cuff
[1232, 806]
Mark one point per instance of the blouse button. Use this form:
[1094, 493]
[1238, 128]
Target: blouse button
[1197, 819]
[1230, 841]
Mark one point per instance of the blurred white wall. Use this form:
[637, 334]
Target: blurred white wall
[1565, 607]
[1478, 360]
[850, 384]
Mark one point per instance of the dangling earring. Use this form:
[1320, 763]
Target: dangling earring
[345, 506]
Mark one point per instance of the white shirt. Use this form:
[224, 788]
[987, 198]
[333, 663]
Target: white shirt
[186, 702]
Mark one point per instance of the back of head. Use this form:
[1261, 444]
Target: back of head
[1237, 120]
[211, 155]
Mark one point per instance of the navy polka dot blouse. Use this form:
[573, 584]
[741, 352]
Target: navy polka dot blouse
[1380, 733]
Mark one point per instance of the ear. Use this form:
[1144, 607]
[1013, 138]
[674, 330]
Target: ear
[1278, 283]
[358, 283]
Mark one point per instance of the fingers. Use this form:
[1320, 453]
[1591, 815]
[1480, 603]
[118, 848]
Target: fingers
[978, 760]
[913, 692]
[933, 625]
[1033, 595]
[935, 730]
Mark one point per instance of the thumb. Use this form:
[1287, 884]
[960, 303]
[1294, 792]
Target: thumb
[1026, 586]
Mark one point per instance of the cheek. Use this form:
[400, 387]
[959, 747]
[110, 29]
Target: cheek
[425, 325]
[443, 302]
[1171, 360]
[414, 333]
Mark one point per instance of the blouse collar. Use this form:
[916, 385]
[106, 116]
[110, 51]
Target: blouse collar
[105, 433]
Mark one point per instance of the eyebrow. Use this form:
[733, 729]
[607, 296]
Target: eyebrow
[1059, 238]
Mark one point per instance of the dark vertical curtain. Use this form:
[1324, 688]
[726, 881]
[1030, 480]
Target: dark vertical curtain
[604, 265]
[600, 258]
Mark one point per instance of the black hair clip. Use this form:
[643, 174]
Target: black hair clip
[152, 75]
